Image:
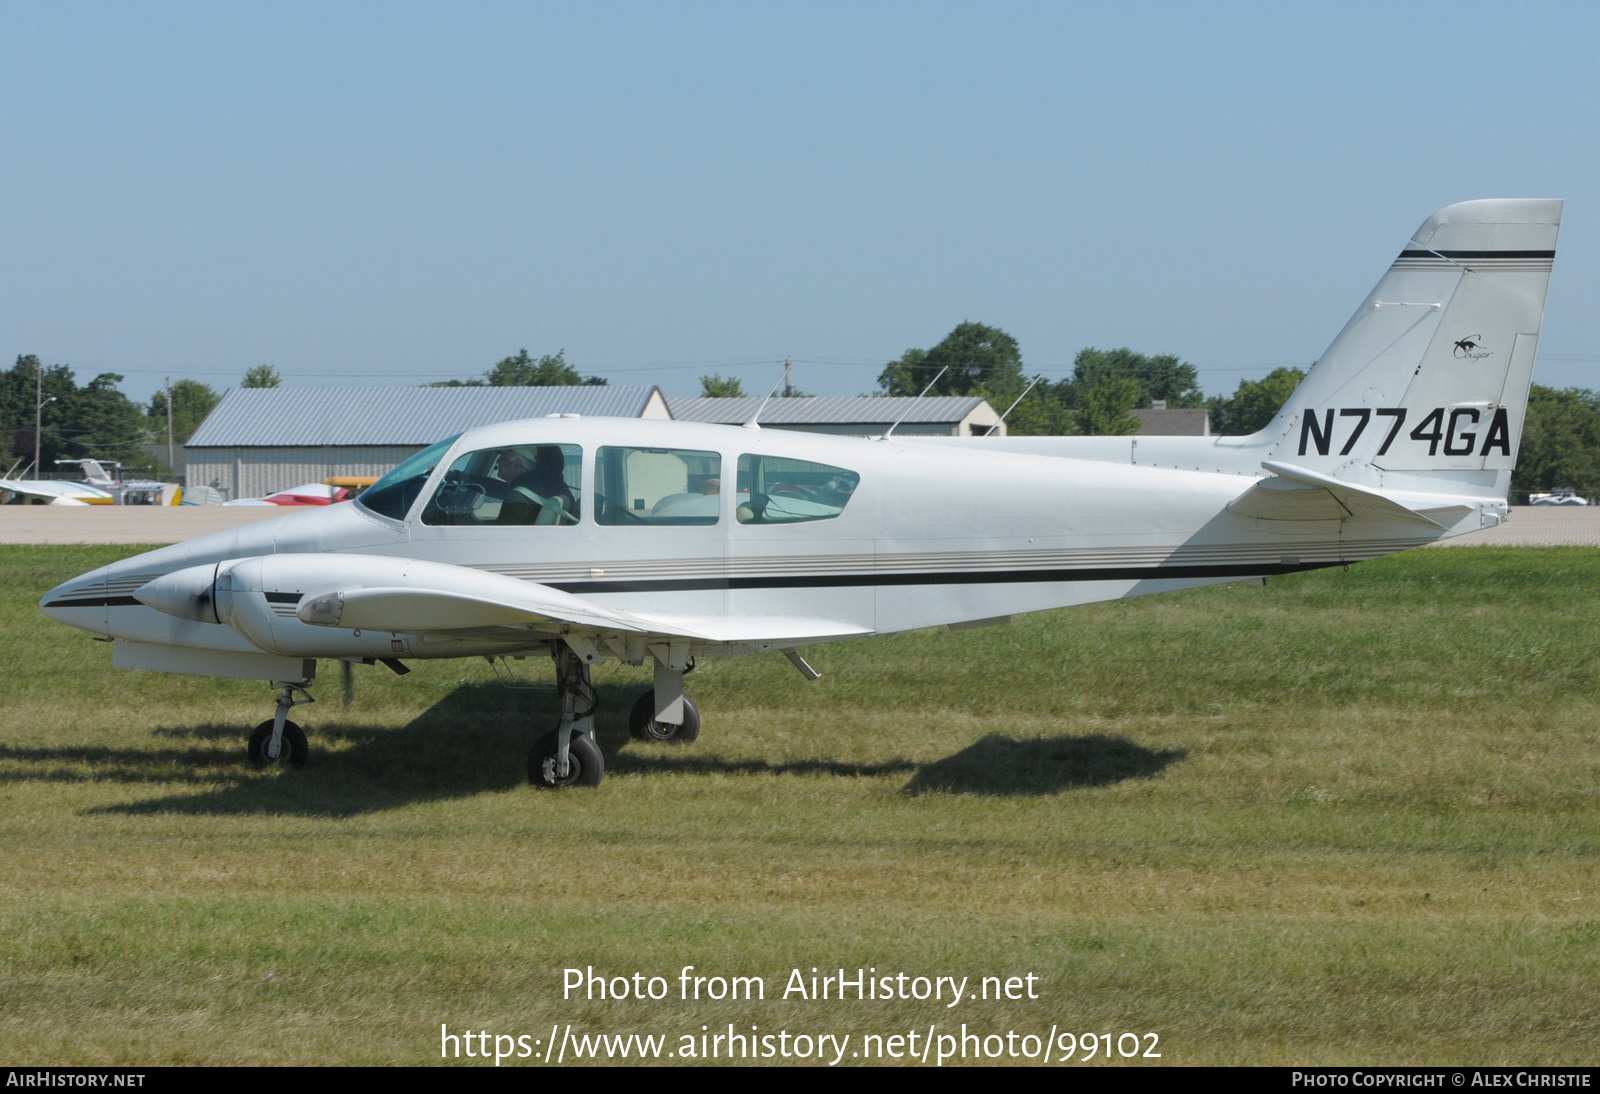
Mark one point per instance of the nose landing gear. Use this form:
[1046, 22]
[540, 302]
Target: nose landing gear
[278, 740]
[585, 764]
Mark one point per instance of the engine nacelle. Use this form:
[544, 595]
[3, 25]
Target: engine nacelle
[260, 598]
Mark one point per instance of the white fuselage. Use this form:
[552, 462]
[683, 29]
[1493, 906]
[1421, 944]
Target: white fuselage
[934, 533]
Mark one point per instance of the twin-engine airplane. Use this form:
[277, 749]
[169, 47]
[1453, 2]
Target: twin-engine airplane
[667, 542]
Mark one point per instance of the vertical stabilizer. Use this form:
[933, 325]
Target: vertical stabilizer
[1427, 384]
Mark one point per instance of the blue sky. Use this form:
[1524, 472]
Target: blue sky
[381, 194]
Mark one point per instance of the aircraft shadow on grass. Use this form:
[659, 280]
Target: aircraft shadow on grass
[476, 740]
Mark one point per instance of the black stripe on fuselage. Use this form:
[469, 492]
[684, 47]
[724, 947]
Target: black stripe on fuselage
[128, 601]
[948, 577]
[1477, 254]
[96, 602]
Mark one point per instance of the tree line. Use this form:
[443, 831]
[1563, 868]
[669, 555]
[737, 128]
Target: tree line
[99, 422]
[1095, 400]
[1560, 443]
[95, 420]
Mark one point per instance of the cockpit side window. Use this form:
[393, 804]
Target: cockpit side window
[392, 495]
[774, 490]
[517, 484]
[657, 486]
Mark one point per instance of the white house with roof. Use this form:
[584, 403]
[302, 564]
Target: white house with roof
[260, 440]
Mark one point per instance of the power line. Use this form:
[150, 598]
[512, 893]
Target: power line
[1056, 370]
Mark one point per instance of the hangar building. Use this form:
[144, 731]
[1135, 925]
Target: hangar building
[260, 440]
[1160, 421]
[858, 416]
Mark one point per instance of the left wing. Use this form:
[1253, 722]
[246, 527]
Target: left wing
[438, 606]
[408, 596]
[438, 609]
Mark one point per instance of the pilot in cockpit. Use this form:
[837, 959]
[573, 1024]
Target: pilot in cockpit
[544, 478]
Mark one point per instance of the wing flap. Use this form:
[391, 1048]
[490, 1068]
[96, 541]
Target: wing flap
[778, 630]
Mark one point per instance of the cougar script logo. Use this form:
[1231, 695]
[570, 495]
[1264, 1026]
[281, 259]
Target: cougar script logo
[1471, 348]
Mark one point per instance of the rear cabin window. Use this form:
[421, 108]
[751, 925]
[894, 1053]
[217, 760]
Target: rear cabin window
[773, 490]
[520, 484]
[657, 486]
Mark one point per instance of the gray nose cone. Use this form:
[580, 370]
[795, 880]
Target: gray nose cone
[186, 594]
[80, 602]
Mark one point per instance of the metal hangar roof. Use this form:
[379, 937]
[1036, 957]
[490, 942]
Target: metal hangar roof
[819, 410]
[287, 417]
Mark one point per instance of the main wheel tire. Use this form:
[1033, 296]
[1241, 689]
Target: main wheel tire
[294, 753]
[585, 764]
[644, 727]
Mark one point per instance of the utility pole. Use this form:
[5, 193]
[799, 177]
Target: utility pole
[38, 410]
[169, 425]
[788, 388]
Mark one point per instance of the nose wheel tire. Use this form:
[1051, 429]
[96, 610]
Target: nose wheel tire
[644, 727]
[294, 750]
[585, 765]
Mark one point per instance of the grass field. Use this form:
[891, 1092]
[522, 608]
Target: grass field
[1349, 817]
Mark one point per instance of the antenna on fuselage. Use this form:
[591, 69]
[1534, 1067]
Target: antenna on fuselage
[1013, 406]
[923, 392]
[782, 382]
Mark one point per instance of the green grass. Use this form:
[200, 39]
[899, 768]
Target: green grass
[1350, 817]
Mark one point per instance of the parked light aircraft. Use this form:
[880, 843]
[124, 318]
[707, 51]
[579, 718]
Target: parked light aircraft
[95, 488]
[52, 492]
[307, 493]
[117, 490]
[666, 542]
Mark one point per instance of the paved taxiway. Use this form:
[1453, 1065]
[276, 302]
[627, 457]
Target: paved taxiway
[127, 523]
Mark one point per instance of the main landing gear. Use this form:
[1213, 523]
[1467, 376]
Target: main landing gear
[567, 755]
[643, 726]
[278, 740]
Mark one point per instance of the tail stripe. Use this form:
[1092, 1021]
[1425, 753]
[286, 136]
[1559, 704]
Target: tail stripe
[1478, 254]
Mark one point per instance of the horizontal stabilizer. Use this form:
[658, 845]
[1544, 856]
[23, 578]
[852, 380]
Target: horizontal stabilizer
[1298, 493]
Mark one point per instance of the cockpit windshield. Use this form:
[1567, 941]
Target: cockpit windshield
[392, 495]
